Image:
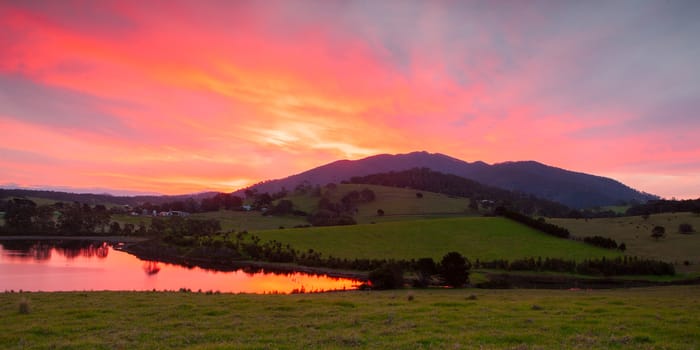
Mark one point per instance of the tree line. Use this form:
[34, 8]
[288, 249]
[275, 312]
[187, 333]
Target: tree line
[537, 224]
[23, 216]
[592, 267]
[665, 206]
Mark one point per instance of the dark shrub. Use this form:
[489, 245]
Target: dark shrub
[658, 232]
[388, 276]
[454, 269]
[24, 306]
[425, 268]
[685, 228]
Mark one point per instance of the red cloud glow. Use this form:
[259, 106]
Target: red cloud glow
[182, 97]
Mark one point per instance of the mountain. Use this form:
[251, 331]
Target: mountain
[574, 189]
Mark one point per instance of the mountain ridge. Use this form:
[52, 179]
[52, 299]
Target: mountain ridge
[574, 189]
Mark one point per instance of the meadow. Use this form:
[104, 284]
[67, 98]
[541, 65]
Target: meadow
[644, 318]
[635, 232]
[484, 238]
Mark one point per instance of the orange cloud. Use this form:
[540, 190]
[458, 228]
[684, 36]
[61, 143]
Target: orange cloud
[202, 96]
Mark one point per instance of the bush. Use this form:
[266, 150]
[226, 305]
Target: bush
[24, 306]
[388, 276]
[602, 242]
[425, 268]
[658, 232]
[454, 269]
[685, 228]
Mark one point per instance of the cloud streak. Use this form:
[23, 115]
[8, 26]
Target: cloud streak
[181, 96]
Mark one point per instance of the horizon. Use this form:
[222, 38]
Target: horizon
[185, 97]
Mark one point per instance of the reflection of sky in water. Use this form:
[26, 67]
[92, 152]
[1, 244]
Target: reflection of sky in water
[45, 267]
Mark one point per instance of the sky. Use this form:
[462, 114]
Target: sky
[187, 96]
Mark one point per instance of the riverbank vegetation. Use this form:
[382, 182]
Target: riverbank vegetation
[400, 319]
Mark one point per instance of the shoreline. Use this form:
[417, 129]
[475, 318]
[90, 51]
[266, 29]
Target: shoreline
[231, 265]
[497, 280]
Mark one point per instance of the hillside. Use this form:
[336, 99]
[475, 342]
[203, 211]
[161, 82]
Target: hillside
[576, 190]
[635, 232]
[398, 204]
[425, 179]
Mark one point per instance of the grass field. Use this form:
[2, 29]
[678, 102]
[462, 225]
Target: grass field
[648, 318]
[484, 238]
[398, 204]
[250, 220]
[635, 232]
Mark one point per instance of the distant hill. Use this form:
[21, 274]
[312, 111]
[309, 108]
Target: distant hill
[574, 189]
[453, 185]
[91, 198]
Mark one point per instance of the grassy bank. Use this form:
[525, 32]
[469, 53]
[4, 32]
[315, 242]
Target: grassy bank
[627, 319]
[475, 237]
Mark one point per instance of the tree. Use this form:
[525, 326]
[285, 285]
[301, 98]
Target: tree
[71, 220]
[367, 195]
[473, 204]
[685, 228]
[425, 269]
[454, 269]
[388, 276]
[101, 217]
[115, 229]
[262, 200]
[44, 221]
[250, 193]
[19, 214]
[658, 232]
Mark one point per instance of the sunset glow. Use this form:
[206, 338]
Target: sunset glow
[187, 96]
[47, 268]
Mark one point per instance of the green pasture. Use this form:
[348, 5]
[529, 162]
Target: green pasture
[485, 238]
[635, 232]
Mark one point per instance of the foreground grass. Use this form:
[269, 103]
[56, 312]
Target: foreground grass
[635, 232]
[623, 319]
[485, 238]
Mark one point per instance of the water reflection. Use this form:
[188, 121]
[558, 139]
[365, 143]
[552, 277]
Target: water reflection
[65, 265]
[42, 250]
[151, 267]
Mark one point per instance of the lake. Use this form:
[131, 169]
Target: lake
[76, 265]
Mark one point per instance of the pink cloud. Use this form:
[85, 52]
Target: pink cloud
[183, 96]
